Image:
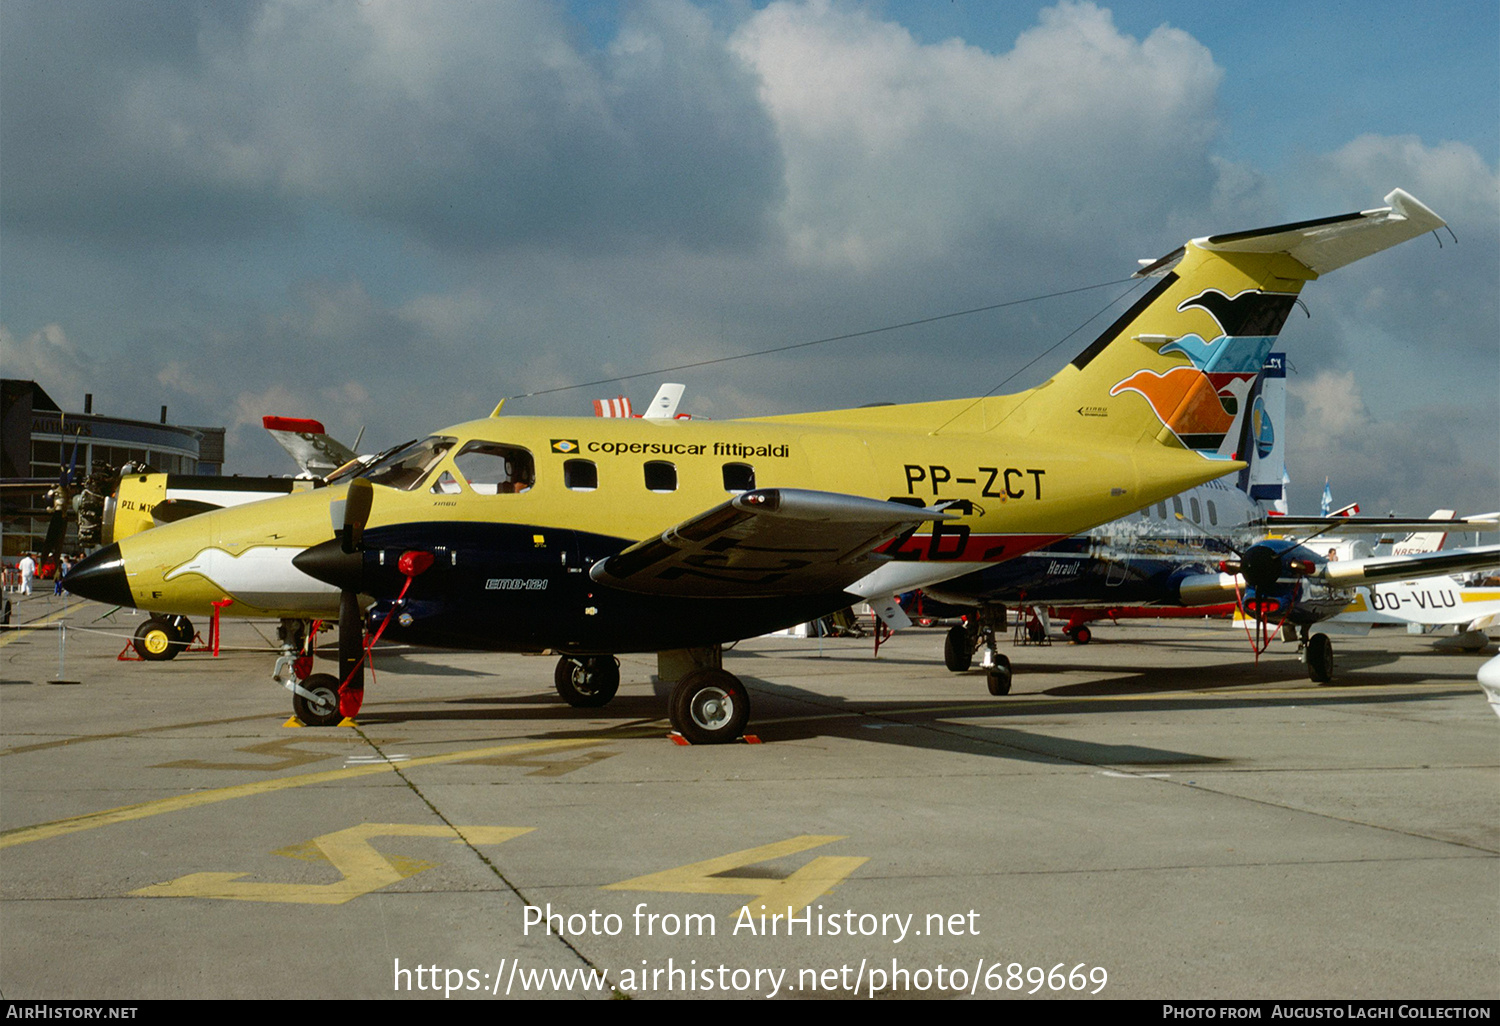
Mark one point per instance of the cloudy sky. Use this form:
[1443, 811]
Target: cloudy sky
[390, 215]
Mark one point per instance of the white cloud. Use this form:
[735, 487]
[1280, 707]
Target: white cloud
[896, 151]
[48, 357]
[1331, 403]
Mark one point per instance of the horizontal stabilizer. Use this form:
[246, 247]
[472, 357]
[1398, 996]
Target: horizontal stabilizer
[1331, 242]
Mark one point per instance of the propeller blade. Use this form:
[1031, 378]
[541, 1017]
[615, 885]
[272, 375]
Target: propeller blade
[56, 528]
[351, 654]
[357, 513]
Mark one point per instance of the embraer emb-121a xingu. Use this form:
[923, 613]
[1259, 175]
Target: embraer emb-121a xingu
[592, 536]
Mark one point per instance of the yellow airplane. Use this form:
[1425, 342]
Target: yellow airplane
[592, 536]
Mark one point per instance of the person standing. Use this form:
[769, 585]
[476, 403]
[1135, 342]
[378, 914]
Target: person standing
[27, 566]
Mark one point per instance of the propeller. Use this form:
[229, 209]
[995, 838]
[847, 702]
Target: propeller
[1264, 566]
[61, 496]
[341, 562]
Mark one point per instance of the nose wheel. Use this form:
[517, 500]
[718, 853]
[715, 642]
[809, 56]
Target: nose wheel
[316, 701]
[1318, 658]
[160, 638]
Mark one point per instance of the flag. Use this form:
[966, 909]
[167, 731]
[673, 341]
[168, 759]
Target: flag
[619, 407]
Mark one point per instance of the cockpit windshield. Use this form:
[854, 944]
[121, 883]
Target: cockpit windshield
[406, 467]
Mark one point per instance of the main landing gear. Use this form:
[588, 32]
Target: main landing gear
[708, 705]
[978, 633]
[587, 682]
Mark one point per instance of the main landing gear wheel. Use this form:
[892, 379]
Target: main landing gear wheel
[1081, 635]
[322, 710]
[157, 640]
[710, 707]
[587, 683]
[184, 628]
[1319, 659]
[997, 677]
[958, 653]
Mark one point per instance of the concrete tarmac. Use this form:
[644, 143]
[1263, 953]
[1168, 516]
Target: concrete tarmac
[1153, 815]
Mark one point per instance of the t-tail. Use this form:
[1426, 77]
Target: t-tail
[1182, 364]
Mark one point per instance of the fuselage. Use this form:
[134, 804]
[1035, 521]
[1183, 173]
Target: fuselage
[515, 510]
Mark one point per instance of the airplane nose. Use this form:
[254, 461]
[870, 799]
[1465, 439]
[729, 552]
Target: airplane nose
[101, 577]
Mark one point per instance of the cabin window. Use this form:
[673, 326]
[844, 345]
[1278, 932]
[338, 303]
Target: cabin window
[580, 475]
[407, 467]
[661, 476]
[1177, 505]
[1213, 514]
[492, 468]
[1161, 511]
[738, 477]
[1197, 511]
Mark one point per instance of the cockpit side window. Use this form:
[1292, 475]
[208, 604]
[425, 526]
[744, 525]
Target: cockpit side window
[407, 467]
[493, 468]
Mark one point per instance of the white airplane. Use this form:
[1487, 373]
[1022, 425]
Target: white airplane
[1429, 603]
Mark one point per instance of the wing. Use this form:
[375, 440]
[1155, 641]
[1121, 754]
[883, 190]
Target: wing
[1313, 526]
[765, 543]
[1349, 573]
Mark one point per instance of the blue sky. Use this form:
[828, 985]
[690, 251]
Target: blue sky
[389, 215]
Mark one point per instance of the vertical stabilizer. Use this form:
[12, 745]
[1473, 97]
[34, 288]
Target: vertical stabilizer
[1180, 365]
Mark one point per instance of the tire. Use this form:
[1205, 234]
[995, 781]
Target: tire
[157, 640]
[710, 707]
[1082, 636]
[323, 711]
[958, 654]
[1319, 659]
[184, 628]
[997, 677]
[587, 683]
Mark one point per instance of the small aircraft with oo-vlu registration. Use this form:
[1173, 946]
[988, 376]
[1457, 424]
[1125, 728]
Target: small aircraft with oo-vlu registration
[591, 536]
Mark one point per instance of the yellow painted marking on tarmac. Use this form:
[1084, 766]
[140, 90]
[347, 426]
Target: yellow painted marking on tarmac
[20, 629]
[364, 869]
[280, 751]
[789, 895]
[128, 813]
[546, 766]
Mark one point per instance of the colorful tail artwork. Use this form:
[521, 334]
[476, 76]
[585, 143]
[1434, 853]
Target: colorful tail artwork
[1195, 344]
